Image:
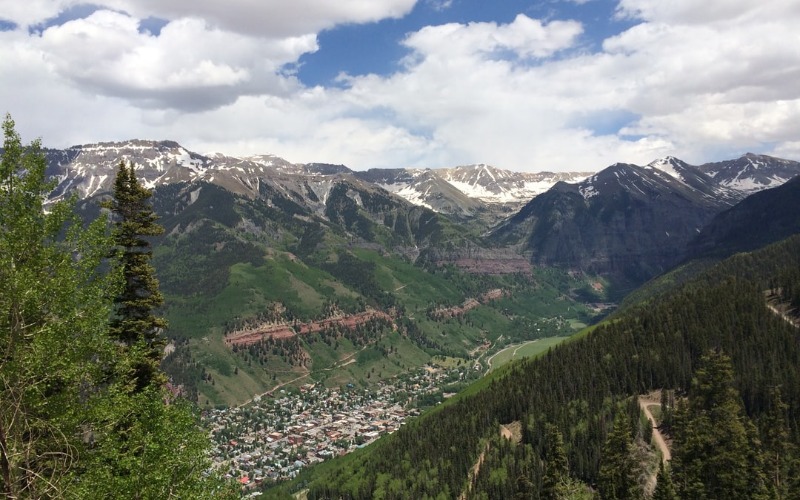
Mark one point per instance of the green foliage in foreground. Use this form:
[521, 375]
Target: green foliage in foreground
[71, 425]
[53, 319]
[582, 386]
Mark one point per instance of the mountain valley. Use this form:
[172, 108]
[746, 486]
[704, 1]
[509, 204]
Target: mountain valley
[264, 246]
[389, 309]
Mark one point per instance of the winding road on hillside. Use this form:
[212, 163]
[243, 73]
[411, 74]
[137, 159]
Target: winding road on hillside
[516, 348]
[645, 402]
[783, 315]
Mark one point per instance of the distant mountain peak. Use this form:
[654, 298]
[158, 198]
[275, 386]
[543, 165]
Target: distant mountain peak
[752, 172]
[672, 166]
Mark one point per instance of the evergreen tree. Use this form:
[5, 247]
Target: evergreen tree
[53, 325]
[136, 325]
[712, 448]
[555, 465]
[665, 490]
[777, 446]
[618, 469]
[148, 444]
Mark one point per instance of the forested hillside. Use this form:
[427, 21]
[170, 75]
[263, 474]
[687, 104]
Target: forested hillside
[584, 386]
[759, 219]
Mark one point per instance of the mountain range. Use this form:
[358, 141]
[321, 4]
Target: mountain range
[728, 300]
[463, 191]
[629, 222]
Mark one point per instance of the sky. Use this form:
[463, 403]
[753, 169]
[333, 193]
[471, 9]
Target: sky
[556, 85]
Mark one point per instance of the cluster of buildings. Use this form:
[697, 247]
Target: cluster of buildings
[273, 438]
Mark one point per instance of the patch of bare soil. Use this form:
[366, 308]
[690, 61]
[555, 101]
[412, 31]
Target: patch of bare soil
[783, 309]
[645, 402]
[512, 431]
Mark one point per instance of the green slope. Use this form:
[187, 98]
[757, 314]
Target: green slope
[228, 263]
[582, 385]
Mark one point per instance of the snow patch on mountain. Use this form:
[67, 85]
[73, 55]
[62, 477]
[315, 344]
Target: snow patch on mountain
[464, 190]
[751, 185]
[588, 191]
[409, 193]
[666, 165]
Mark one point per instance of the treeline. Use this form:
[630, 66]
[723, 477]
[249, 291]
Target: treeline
[198, 263]
[273, 313]
[581, 386]
[289, 350]
[762, 267]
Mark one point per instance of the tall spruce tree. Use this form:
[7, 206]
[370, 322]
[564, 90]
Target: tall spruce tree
[147, 444]
[556, 467]
[714, 443]
[664, 490]
[136, 324]
[618, 468]
[778, 449]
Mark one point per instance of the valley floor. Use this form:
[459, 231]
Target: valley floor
[277, 434]
[273, 438]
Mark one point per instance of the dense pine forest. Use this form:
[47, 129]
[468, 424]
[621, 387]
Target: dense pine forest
[730, 364]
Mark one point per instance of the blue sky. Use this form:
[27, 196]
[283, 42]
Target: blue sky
[522, 85]
[376, 47]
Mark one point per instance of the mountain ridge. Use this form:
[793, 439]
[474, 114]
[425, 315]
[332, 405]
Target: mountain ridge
[625, 220]
[464, 192]
[459, 190]
[630, 221]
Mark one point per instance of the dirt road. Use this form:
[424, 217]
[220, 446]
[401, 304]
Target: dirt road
[785, 317]
[516, 348]
[645, 403]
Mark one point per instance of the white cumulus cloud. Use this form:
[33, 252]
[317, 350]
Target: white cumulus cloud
[690, 79]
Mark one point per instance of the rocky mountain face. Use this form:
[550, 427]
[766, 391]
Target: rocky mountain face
[424, 187]
[494, 185]
[411, 211]
[760, 219]
[90, 169]
[632, 222]
[468, 191]
[258, 198]
[751, 173]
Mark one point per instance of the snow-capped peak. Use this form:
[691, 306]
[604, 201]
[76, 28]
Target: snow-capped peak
[669, 165]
